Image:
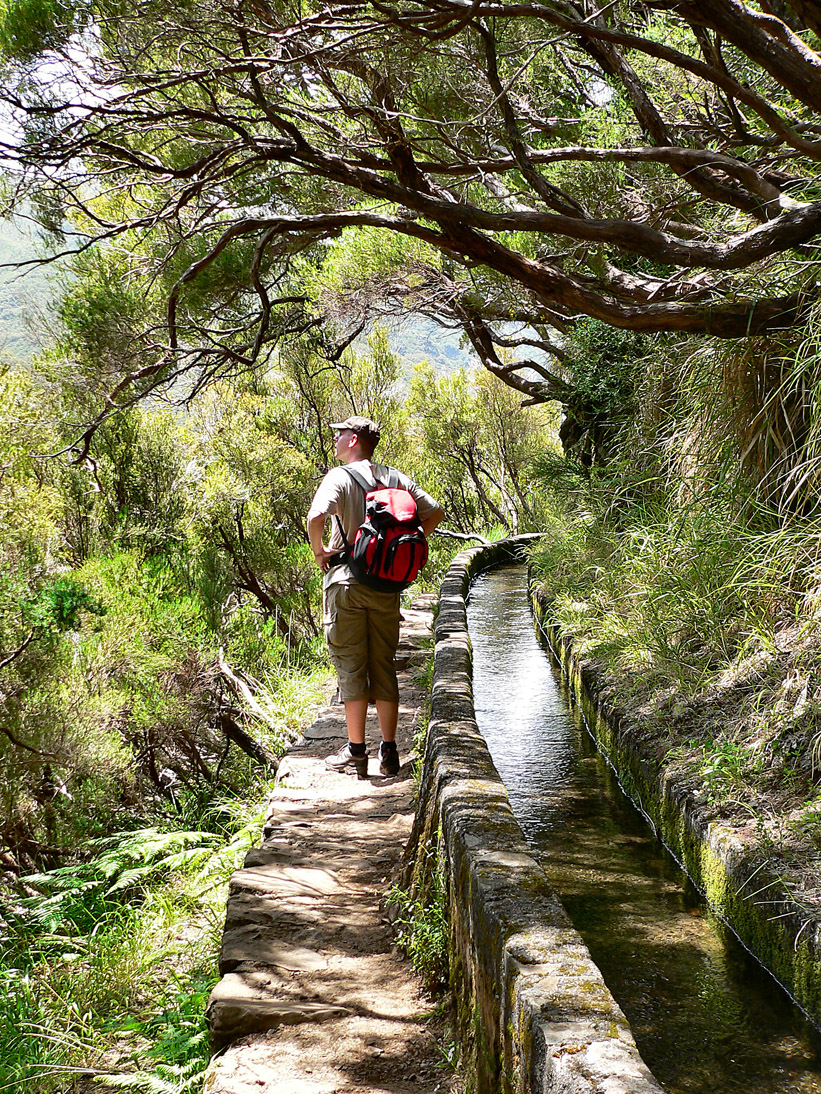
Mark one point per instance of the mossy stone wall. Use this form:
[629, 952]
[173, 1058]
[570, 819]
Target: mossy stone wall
[534, 1012]
[733, 874]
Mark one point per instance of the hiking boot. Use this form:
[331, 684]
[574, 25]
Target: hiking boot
[345, 758]
[388, 759]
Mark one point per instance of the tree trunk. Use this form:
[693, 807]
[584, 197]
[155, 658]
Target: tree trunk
[235, 733]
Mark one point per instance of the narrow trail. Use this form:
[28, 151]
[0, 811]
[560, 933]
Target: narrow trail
[314, 998]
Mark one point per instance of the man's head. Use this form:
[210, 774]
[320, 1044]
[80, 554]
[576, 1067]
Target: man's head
[356, 433]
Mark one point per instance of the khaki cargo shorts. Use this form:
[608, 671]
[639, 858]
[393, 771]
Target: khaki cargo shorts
[362, 631]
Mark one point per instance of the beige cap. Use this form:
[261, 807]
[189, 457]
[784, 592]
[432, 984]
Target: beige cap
[356, 424]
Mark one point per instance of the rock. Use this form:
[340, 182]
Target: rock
[243, 1003]
[330, 725]
[285, 881]
[253, 944]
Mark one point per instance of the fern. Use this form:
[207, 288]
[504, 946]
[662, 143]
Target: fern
[165, 1080]
[70, 896]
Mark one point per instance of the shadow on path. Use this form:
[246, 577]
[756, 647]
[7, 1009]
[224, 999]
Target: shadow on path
[314, 999]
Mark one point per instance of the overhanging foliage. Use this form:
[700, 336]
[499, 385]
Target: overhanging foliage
[648, 165]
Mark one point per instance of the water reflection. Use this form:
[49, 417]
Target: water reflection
[705, 1016]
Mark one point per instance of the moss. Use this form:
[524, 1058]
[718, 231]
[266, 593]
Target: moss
[526, 1041]
[494, 898]
[488, 1062]
[781, 944]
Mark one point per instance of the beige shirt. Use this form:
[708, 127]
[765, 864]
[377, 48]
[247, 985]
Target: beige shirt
[339, 496]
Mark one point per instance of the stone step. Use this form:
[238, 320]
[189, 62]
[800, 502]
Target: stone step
[313, 995]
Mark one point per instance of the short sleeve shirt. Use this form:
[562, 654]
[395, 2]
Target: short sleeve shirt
[340, 496]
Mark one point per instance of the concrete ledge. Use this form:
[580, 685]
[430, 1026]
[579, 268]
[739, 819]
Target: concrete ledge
[534, 1012]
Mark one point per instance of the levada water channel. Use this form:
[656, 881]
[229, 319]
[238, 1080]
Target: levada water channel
[706, 1016]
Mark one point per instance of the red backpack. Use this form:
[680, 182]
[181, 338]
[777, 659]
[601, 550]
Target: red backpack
[389, 548]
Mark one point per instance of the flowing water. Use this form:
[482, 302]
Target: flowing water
[707, 1018]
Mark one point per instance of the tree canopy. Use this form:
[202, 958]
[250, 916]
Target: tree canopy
[256, 168]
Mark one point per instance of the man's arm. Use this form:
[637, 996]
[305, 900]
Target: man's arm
[316, 533]
[432, 520]
[434, 514]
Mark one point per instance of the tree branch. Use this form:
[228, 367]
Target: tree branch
[7, 660]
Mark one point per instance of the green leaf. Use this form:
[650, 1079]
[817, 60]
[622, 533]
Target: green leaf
[31, 27]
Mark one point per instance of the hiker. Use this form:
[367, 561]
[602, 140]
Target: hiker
[361, 623]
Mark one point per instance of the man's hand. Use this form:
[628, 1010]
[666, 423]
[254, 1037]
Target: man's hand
[316, 533]
[323, 558]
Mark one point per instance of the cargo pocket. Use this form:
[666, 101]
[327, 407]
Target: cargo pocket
[329, 611]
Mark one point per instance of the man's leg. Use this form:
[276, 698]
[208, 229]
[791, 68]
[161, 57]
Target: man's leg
[388, 714]
[355, 753]
[356, 711]
[383, 638]
[346, 634]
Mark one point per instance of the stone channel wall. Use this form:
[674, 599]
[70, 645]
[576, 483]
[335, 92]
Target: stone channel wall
[534, 1012]
[735, 876]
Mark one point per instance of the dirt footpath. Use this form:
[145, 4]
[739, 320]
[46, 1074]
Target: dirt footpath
[314, 998]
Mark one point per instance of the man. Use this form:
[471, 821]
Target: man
[361, 624]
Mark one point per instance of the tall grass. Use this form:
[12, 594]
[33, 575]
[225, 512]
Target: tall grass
[690, 567]
[682, 594]
[704, 539]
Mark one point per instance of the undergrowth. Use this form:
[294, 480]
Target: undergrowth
[109, 964]
[420, 921]
[108, 961]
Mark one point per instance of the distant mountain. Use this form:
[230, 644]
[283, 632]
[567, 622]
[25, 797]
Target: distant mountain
[415, 339]
[23, 295]
[418, 339]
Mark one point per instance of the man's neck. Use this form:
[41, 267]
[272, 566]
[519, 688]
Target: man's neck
[352, 456]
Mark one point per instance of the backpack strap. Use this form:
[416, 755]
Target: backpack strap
[365, 487]
[360, 480]
[393, 482]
